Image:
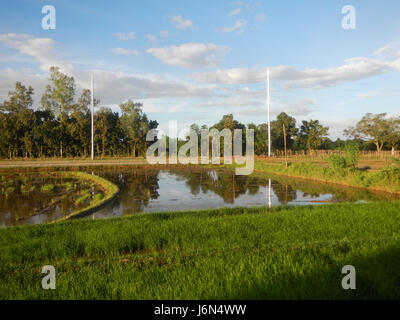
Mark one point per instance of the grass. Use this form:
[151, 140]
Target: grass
[386, 179]
[238, 253]
[48, 187]
[110, 191]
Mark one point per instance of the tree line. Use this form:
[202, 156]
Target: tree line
[61, 126]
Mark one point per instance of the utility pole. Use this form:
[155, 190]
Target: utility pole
[269, 123]
[92, 116]
[284, 142]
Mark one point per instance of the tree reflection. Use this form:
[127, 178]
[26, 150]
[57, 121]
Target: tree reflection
[139, 187]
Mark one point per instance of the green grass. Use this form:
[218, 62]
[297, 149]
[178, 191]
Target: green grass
[110, 191]
[83, 197]
[47, 187]
[253, 253]
[386, 179]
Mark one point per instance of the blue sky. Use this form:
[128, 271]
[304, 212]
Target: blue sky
[193, 61]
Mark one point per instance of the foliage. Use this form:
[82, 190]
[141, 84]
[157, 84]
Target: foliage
[348, 160]
[377, 128]
[312, 135]
[62, 126]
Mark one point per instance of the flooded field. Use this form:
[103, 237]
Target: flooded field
[154, 190]
[31, 198]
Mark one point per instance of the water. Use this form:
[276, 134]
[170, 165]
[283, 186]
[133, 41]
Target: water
[155, 190]
[22, 200]
[32, 198]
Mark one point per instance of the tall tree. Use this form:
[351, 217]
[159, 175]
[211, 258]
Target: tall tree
[58, 98]
[312, 134]
[135, 125]
[277, 131]
[19, 120]
[393, 135]
[372, 127]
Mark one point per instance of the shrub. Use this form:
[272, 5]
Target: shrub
[346, 162]
[337, 162]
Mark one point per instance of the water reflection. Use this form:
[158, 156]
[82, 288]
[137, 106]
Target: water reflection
[25, 200]
[152, 190]
[29, 198]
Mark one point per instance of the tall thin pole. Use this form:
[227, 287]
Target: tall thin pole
[269, 194]
[269, 123]
[284, 143]
[92, 116]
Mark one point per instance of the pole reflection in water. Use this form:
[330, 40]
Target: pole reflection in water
[269, 193]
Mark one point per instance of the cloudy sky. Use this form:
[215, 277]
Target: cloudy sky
[193, 61]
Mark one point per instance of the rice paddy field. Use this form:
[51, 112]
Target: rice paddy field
[231, 253]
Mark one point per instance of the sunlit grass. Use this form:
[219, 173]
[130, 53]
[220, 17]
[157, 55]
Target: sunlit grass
[244, 253]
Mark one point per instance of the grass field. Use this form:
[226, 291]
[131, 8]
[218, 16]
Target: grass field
[258, 253]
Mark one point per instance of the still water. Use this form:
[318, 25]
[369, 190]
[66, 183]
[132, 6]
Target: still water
[25, 200]
[154, 190]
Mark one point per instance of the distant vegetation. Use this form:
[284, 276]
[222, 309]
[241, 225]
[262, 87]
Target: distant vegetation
[59, 126]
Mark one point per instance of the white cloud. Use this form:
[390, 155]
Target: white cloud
[234, 12]
[111, 87]
[249, 104]
[191, 55]
[181, 23]
[122, 51]
[164, 33]
[367, 95]
[41, 49]
[238, 27]
[28, 78]
[337, 125]
[391, 50]
[380, 93]
[230, 102]
[151, 38]
[125, 36]
[299, 108]
[352, 70]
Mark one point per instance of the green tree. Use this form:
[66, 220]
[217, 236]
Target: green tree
[372, 127]
[312, 135]
[18, 116]
[277, 131]
[135, 125]
[58, 98]
[393, 134]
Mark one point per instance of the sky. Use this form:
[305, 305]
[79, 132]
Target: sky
[194, 61]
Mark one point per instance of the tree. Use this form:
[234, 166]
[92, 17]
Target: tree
[227, 122]
[372, 127]
[312, 135]
[136, 125]
[277, 131]
[393, 134]
[58, 98]
[19, 119]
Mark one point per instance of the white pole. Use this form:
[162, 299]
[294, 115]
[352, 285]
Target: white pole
[92, 116]
[269, 124]
[269, 194]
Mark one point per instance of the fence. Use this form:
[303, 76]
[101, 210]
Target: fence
[323, 154]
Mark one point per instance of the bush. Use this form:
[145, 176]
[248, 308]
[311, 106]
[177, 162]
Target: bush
[337, 162]
[346, 162]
